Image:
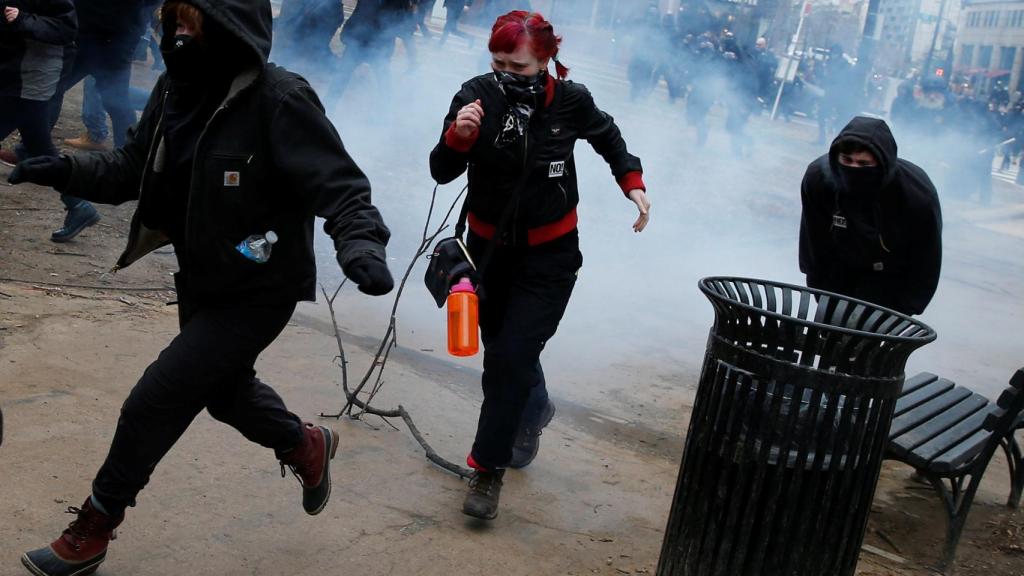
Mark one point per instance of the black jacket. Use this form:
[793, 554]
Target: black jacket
[305, 28]
[105, 20]
[376, 23]
[551, 191]
[268, 159]
[890, 250]
[37, 49]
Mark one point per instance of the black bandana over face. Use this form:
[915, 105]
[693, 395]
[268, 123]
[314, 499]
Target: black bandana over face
[862, 181]
[185, 57]
[523, 94]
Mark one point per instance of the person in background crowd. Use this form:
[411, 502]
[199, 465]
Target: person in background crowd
[841, 97]
[107, 36]
[229, 147]
[369, 38]
[303, 32]
[94, 115]
[764, 64]
[36, 50]
[454, 8]
[424, 10]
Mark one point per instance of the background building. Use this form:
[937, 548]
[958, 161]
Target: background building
[913, 29]
[988, 51]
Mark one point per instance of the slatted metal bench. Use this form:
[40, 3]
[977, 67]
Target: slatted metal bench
[949, 435]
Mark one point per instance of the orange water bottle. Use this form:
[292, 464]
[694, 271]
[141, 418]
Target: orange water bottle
[463, 320]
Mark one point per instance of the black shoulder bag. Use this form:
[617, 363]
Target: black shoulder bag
[450, 260]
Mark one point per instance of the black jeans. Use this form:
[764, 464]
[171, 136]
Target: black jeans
[208, 365]
[31, 119]
[525, 294]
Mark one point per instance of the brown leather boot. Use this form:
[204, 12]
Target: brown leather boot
[310, 462]
[85, 142]
[81, 548]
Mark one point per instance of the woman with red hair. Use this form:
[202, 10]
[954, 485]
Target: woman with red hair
[515, 129]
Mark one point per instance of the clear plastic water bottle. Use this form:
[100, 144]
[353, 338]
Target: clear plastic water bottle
[257, 247]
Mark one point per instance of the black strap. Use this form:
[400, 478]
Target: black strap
[532, 152]
[460, 226]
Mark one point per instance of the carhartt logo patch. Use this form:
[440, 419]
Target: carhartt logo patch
[839, 221]
[556, 131]
[232, 179]
[878, 266]
[556, 169]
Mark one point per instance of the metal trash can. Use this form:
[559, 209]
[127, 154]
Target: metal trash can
[788, 429]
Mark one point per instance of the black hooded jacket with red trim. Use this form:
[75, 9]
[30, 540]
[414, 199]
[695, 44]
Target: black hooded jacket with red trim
[569, 114]
[884, 245]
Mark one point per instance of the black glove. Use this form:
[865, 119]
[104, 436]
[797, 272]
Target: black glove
[52, 171]
[371, 275]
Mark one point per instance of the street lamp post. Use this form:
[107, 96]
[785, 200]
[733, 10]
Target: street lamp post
[804, 8]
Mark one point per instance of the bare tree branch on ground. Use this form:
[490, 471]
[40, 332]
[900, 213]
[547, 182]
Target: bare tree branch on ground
[375, 372]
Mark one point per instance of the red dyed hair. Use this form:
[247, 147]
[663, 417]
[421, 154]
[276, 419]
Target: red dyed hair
[512, 30]
[183, 13]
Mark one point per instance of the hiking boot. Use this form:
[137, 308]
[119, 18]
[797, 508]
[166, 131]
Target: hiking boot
[8, 158]
[77, 219]
[80, 549]
[528, 439]
[86, 142]
[311, 464]
[484, 490]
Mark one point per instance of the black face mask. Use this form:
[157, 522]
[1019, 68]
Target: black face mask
[866, 181]
[186, 58]
[520, 89]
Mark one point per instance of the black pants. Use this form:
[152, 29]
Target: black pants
[525, 293]
[208, 365]
[31, 119]
[376, 55]
[451, 23]
[109, 61]
[423, 11]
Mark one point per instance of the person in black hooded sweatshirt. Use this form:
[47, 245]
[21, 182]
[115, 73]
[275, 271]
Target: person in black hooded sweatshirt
[228, 147]
[871, 226]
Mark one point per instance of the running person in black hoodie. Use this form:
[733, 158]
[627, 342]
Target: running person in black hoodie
[494, 122]
[871, 225]
[228, 146]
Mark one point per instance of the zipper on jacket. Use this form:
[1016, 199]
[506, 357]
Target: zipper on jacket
[145, 168]
[192, 179]
[526, 179]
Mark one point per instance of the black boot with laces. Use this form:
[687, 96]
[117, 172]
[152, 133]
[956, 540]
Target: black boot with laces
[484, 490]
